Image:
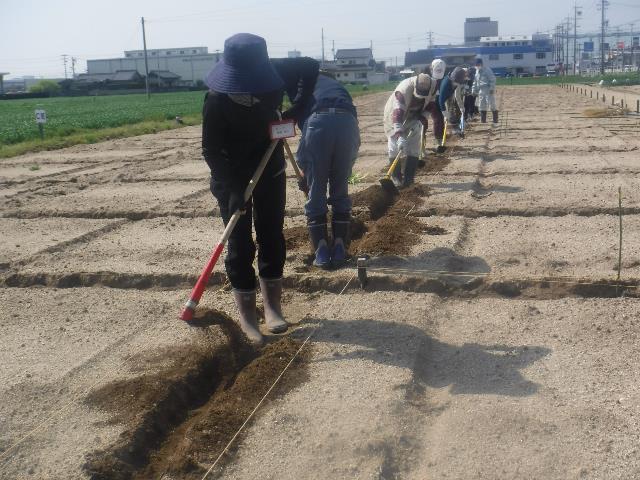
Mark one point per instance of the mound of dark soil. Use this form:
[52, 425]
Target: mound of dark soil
[375, 199]
[435, 164]
[386, 229]
[391, 235]
[179, 418]
[297, 238]
[396, 231]
[193, 447]
[411, 197]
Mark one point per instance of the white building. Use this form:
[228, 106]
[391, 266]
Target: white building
[356, 65]
[190, 63]
[530, 54]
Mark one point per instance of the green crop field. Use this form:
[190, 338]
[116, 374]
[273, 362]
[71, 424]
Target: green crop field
[68, 115]
[75, 120]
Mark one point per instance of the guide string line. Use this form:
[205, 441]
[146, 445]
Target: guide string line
[295, 355]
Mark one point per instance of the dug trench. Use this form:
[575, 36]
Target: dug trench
[382, 223]
[178, 419]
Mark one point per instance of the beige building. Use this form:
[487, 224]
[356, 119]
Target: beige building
[191, 64]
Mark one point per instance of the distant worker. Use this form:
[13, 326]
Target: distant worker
[484, 85]
[244, 97]
[452, 86]
[404, 115]
[436, 71]
[327, 151]
[469, 97]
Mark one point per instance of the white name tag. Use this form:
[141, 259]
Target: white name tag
[282, 129]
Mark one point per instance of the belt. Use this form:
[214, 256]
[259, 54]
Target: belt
[332, 110]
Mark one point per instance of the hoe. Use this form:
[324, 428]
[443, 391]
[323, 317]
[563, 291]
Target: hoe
[294, 165]
[203, 280]
[441, 148]
[386, 182]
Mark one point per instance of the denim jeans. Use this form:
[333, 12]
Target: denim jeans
[328, 148]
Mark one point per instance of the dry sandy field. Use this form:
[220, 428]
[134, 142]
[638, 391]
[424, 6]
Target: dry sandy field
[491, 340]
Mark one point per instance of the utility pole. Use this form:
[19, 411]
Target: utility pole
[603, 6]
[632, 48]
[146, 61]
[561, 45]
[322, 34]
[568, 29]
[576, 12]
[333, 49]
[430, 39]
[73, 67]
[64, 61]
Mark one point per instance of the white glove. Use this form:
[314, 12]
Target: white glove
[447, 115]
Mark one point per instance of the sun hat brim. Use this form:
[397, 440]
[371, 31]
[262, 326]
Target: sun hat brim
[257, 78]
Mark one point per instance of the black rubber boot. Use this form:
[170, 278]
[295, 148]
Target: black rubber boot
[271, 298]
[319, 239]
[396, 176]
[483, 116]
[341, 226]
[495, 117]
[246, 304]
[410, 171]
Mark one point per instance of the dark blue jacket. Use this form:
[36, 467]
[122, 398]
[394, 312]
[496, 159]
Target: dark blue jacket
[329, 93]
[446, 90]
[299, 77]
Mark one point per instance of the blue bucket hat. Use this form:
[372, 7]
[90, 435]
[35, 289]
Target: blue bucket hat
[244, 67]
[478, 60]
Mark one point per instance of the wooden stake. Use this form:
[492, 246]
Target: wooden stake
[620, 244]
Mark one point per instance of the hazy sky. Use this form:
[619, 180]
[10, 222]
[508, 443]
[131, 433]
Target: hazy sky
[35, 33]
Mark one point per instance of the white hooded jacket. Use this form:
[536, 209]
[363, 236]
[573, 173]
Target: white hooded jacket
[484, 80]
[401, 99]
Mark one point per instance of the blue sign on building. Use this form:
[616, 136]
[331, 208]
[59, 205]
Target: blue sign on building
[588, 47]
